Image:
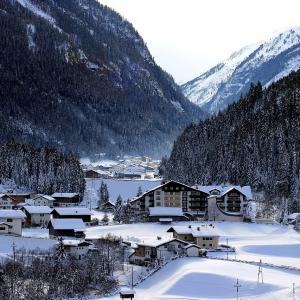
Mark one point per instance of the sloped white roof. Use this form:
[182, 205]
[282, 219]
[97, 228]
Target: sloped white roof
[198, 231]
[38, 209]
[47, 197]
[64, 195]
[157, 243]
[12, 213]
[165, 211]
[73, 211]
[74, 242]
[246, 190]
[76, 224]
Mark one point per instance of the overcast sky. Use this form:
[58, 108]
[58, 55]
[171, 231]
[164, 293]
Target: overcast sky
[187, 37]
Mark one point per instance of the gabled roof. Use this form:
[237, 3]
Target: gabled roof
[3, 195]
[67, 224]
[199, 231]
[165, 211]
[245, 190]
[73, 211]
[162, 185]
[12, 213]
[38, 209]
[64, 195]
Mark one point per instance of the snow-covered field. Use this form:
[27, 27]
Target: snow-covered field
[200, 278]
[197, 278]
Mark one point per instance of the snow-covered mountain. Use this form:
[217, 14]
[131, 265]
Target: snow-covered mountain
[265, 62]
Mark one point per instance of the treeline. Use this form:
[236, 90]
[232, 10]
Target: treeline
[255, 141]
[55, 274]
[42, 170]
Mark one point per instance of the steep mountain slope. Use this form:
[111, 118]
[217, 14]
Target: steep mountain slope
[255, 141]
[267, 62]
[77, 76]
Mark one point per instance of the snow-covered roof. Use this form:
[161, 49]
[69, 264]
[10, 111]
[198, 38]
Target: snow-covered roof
[76, 224]
[38, 209]
[12, 213]
[245, 190]
[76, 243]
[192, 245]
[75, 211]
[47, 197]
[64, 195]
[165, 211]
[157, 243]
[198, 231]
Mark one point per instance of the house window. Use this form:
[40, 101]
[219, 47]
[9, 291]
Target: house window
[210, 245]
[41, 215]
[158, 204]
[9, 220]
[203, 245]
[179, 246]
[2, 228]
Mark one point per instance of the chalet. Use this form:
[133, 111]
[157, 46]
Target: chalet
[66, 199]
[11, 221]
[213, 203]
[67, 228]
[172, 194]
[96, 174]
[77, 248]
[226, 203]
[76, 212]
[203, 236]
[37, 215]
[148, 253]
[107, 207]
[6, 202]
[43, 200]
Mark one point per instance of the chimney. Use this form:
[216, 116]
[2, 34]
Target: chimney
[190, 226]
[198, 228]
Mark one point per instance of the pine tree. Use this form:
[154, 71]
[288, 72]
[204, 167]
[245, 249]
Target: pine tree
[60, 250]
[105, 219]
[119, 210]
[104, 195]
[139, 192]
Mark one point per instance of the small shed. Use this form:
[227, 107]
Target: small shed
[66, 227]
[192, 250]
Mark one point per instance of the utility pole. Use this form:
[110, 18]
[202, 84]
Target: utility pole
[294, 291]
[237, 286]
[260, 273]
[132, 277]
[227, 248]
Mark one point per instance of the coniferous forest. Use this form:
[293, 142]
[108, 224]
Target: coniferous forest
[42, 170]
[256, 142]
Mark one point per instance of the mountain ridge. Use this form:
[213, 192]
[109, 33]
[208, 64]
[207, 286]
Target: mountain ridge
[266, 62]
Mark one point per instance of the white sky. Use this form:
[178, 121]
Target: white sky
[187, 37]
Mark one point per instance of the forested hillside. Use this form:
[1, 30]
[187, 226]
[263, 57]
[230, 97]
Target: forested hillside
[77, 76]
[255, 141]
[41, 170]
